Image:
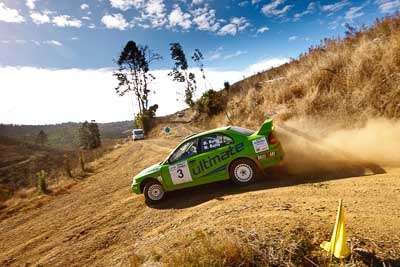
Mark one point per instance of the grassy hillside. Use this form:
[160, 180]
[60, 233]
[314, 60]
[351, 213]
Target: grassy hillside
[346, 81]
[21, 158]
[21, 161]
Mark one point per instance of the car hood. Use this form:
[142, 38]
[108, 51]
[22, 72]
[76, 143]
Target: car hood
[152, 169]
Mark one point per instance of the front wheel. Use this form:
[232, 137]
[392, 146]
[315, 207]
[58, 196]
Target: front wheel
[243, 172]
[153, 192]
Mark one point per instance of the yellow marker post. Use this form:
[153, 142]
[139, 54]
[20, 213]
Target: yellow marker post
[338, 245]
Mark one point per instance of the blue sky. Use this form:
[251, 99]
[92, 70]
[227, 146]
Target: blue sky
[237, 37]
[90, 33]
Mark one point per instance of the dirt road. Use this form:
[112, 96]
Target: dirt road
[98, 222]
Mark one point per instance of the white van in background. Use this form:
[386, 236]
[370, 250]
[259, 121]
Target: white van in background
[137, 134]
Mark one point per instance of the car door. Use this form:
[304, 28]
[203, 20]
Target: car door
[176, 172]
[212, 163]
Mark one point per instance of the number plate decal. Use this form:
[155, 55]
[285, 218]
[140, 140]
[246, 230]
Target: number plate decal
[260, 145]
[180, 173]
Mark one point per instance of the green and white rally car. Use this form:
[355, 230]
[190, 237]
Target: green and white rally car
[225, 153]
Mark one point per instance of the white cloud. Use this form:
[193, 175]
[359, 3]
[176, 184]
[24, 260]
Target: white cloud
[126, 4]
[388, 6]
[115, 21]
[155, 7]
[272, 9]
[18, 41]
[21, 41]
[235, 26]
[243, 3]
[236, 54]
[35, 42]
[30, 4]
[197, 2]
[205, 19]
[335, 23]
[53, 42]
[154, 11]
[92, 26]
[266, 64]
[310, 9]
[178, 18]
[353, 13]
[39, 18]
[336, 6]
[295, 37]
[57, 89]
[66, 21]
[78, 86]
[84, 6]
[215, 54]
[262, 29]
[152, 14]
[228, 29]
[253, 2]
[10, 15]
[86, 18]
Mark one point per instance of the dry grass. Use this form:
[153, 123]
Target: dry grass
[232, 247]
[251, 247]
[349, 79]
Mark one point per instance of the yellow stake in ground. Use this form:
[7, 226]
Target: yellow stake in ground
[338, 244]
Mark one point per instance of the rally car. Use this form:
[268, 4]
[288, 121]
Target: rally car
[225, 153]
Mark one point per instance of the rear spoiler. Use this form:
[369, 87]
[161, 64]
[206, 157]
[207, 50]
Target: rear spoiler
[266, 127]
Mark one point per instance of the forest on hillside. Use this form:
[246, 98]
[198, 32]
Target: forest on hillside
[64, 134]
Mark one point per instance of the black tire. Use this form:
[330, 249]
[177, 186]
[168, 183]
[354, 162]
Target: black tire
[153, 192]
[243, 171]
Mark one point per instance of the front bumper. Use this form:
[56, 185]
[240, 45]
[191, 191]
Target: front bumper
[136, 188]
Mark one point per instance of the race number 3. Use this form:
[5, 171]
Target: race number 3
[180, 173]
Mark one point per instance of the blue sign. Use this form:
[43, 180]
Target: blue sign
[167, 130]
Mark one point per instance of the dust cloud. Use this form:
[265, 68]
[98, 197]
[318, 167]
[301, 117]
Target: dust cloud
[320, 149]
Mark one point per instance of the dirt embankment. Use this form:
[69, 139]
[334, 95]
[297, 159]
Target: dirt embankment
[99, 222]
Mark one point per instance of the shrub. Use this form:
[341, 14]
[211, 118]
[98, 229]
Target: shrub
[227, 86]
[81, 161]
[42, 186]
[211, 102]
[144, 120]
[67, 166]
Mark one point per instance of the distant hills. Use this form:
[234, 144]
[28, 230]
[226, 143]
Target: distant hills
[64, 134]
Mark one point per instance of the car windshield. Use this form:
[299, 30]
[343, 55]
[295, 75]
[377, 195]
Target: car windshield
[187, 149]
[138, 132]
[241, 130]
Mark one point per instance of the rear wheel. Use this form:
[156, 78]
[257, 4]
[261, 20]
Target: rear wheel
[243, 172]
[153, 192]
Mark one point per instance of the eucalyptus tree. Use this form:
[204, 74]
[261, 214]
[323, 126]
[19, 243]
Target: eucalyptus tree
[133, 73]
[180, 72]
